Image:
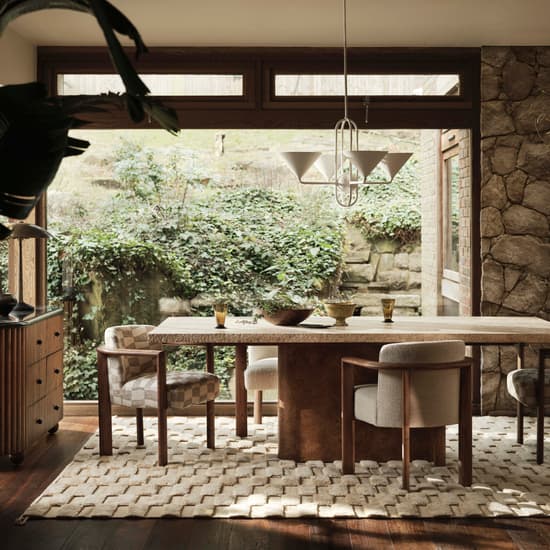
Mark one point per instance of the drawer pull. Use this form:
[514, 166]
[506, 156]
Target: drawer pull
[56, 407]
[39, 381]
[39, 421]
[57, 371]
[39, 342]
[57, 333]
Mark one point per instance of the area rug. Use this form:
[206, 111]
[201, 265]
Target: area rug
[244, 478]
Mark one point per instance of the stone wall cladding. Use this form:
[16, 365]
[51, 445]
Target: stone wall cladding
[372, 270]
[515, 201]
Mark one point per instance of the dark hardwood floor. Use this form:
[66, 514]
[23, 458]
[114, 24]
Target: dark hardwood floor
[19, 486]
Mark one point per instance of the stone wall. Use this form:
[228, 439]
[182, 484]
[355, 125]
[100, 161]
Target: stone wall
[372, 270]
[515, 200]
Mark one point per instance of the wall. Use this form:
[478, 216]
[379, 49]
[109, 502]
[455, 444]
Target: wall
[515, 200]
[372, 270]
[17, 59]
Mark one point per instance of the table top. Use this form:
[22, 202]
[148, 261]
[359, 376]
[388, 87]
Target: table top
[472, 330]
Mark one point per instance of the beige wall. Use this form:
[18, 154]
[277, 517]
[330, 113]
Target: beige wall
[17, 59]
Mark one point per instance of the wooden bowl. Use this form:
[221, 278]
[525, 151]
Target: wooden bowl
[287, 317]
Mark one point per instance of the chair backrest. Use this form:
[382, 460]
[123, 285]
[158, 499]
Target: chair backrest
[125, 368]
[434, 393]
[255, 353]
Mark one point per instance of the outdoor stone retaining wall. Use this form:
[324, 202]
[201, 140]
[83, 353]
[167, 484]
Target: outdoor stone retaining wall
[515, 200]
[372, 270]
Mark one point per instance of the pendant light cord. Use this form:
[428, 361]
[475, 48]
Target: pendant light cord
[345, 61]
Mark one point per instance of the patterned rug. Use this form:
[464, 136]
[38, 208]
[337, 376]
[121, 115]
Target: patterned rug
[244, 478]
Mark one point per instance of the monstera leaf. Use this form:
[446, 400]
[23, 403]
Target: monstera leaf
[34, 128]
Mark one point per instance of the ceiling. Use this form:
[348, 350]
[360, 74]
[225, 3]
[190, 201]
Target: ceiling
[306, 23]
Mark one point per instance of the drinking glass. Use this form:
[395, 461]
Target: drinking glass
[387, 308]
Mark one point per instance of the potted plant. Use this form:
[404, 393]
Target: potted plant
[283, 307]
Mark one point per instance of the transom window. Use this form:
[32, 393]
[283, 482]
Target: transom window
[292, 85]
[159, 84]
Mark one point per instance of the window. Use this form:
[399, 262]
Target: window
[292, 85]
[159, 84]
[451, 214]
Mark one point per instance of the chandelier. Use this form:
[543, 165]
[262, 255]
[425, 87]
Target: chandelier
[348, 166]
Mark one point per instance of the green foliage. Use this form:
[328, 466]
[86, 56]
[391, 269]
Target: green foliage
[391, 211]
[80, 371]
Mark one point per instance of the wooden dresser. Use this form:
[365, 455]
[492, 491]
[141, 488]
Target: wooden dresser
[31, 380]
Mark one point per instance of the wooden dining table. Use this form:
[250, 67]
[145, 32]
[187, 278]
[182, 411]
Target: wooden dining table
[309, 372]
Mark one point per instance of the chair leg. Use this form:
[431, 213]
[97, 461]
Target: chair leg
[162, 402]
[406, 427]
[520, 409]
[210, 425]
[258, 407]
[519, 428]
[540, 406]
[347, 420]
[104, 407]
[139, 429]
[465, 428]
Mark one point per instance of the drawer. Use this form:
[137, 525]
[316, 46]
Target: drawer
[36, 381]
[54, 333]
[54, 370]
[54, 407]
[36, 421]
[35, 342]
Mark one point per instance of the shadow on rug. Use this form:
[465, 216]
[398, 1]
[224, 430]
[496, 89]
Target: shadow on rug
[245, 478]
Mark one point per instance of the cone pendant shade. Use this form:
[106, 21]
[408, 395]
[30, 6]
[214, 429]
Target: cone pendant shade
[300, 162]
[394, 162]
[365, 161]
[326, 165]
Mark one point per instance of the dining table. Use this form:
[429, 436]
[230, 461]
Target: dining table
[309, 357]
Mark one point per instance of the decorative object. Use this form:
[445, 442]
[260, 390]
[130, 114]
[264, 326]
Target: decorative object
[7, 303]
[244, 478]
[347, 166]
[287, 317]
[387, 309]
[220, 312]
[340, 311]
[22, 231]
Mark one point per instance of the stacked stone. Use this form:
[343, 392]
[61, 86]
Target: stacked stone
[515, 198]
[373, 270]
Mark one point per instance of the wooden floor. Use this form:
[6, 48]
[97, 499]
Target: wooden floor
[19, 486]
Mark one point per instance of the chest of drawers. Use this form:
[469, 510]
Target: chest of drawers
[31, 381]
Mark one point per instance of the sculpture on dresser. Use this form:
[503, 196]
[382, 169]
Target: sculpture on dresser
[22, 231]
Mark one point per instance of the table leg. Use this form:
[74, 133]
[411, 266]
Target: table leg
[240, 391]
[465, 428]
[519, 408]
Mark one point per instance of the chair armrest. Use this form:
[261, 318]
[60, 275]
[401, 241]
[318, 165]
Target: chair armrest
[377, 365]
[109, 352]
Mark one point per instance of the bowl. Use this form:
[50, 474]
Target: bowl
[340, 311]
[287, 317]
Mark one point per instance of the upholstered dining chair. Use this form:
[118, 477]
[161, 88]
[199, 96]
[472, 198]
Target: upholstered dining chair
[261, 374]
[531, 389]
[420, 385]
[132, 373]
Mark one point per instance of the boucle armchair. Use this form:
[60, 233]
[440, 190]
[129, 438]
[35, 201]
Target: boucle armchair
[132, 373]
[420, 385]
[261, 374]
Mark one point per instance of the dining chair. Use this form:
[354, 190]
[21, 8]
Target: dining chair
[132, 373]
[531, 389]
[261, 374]
[420, 385]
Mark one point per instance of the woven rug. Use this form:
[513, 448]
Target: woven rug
[244, 478]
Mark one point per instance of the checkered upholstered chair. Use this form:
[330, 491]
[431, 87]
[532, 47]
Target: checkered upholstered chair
[132, 373]
[420, 385]
[261, 374]
[531, 389]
